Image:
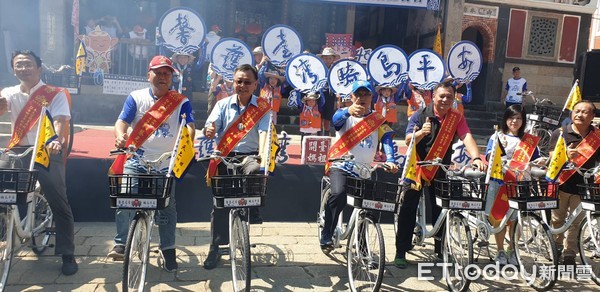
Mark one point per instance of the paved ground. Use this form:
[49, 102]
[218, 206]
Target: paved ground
[286, 258]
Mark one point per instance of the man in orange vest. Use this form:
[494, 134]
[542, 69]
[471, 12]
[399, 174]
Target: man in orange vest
[583, 141]
[28, 97]
[439, 124]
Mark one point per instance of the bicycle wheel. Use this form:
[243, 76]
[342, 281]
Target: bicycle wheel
[136, 254]
[458, 252]
[366, 256]
[6, 243]
[536, 251]
[239, 252]
[589, 246]
[544, 143]
[42, 219]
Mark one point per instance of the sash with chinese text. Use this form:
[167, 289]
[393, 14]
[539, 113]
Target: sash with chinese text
[586, 149]
[522, 155]
[353, 136]
[442, 142]
[233, 135]
[158, 113]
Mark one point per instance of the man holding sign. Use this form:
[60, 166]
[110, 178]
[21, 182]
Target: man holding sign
[25, 102]
[438, 125]
[149, 122]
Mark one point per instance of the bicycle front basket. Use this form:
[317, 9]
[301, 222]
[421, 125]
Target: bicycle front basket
[372, 195]
[16, 184]
[547, 114]
[239, 191]
[460, 194]
[532, 195]
[140, 191]
[590, 196]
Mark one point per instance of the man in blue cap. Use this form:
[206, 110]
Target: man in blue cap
[358, 131]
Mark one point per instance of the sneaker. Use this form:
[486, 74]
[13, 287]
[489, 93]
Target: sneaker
[69, 265]
[326, 243]
[501, 258]
[512, 258]
[169, 260]
[117, 253]
[400, 263]
[212, 259]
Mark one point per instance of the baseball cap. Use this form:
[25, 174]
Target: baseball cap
[516, 69]
[362, 83]
[160, 61]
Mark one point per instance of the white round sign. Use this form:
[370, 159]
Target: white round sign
[182, 29]
[343, 73]
[306, 72]
[388, 64]
[465, 61]
[425, 69]
[280, 43]
[229, 53]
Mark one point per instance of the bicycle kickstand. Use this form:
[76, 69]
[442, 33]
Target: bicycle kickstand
[483, 245]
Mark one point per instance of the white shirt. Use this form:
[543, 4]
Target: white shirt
[17, 100]
[514, 86]
[363, 152]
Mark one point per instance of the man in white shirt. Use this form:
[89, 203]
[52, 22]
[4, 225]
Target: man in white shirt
[515, 87]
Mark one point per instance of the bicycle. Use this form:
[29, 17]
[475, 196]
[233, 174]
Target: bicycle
[365, 249]
[19, 186]
[144, 193]
[460, 191]
[237, 193]
[542, 121]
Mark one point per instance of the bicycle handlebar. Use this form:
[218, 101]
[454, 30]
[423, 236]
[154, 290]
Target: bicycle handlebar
[467, 171]
[350, 158]
[131, 151]
[5, 151]
[586, 173]
[531, 168]
[229, 161]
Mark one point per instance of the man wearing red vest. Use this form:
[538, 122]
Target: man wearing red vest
[28, 98]
[439, 124]
[583, 141]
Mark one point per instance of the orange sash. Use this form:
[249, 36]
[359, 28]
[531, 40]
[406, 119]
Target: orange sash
[273, 93]
[390, 109]
[586, 149]
[522, 155]
[30, 113]
[353, 136]
[310, 118]
[158, 113]
[442, 142]
[233, 135]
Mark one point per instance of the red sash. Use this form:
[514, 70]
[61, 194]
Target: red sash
[586, 149]
[233, 135]
[158, 113]
[30, 113]
[522, 155]
[442, 142]
[353, 136]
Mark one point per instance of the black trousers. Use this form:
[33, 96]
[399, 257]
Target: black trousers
[336, 202]
[407, 220]
[219, 223]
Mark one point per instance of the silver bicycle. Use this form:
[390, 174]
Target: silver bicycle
[544, 118]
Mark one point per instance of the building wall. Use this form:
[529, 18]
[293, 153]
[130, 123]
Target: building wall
[55, 18]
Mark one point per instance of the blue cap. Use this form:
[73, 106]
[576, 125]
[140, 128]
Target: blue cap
[362, 83]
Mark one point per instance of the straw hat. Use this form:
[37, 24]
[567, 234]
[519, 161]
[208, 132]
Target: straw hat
[386, 85]
[257, 51]
[177, 54]
[328, 52]
[311, 96]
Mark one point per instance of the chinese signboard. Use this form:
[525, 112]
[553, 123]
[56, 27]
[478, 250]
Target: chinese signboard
[315, 149]
[182, 30]
[229, 53]
[280, 43]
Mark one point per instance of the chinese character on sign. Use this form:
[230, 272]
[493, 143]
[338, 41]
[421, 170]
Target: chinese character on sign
[426, 67]
[284, 141]
[205, 146]
[362, 55]
[183, 29]
[315, 149]
[390, 68]
[347, 75]
[304, 70]
[459, 154]
[465, 63]
[282, 45]
[232, 59]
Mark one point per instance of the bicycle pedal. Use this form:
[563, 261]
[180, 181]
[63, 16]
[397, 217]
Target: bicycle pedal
[50, 231]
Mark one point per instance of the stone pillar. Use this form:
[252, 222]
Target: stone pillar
[55, 18]
[350, 19]
[453, 24]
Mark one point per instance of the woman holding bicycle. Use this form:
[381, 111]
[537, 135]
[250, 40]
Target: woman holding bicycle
[149, 122]
[358, 131]
[583, 141]
[519, 148]
[438, 125]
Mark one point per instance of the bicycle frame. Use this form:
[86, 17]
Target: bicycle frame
[422, 215]
[24, 227]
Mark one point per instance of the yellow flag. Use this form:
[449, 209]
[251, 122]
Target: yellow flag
[574, 97]
[411, 173]
[269, 163]
[45, 136]
[437, 45]
[495, 168]
[558, 159]
[80, 60]
[185, 153]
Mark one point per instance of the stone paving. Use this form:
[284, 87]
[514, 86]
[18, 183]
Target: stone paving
[287, 257]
